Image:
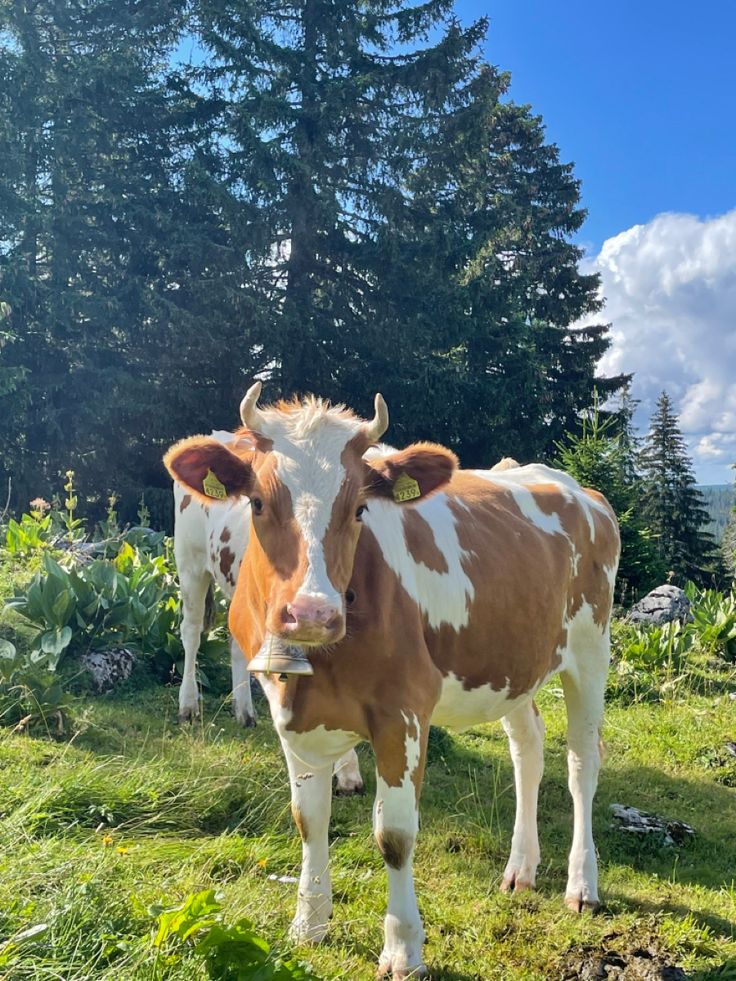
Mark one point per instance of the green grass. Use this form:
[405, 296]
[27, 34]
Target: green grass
[130, 809]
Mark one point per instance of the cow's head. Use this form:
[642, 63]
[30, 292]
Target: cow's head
[302, 466]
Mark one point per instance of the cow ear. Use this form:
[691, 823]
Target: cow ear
[208, 469]
[411, 474]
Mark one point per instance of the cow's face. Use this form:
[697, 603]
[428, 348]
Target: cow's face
[309, 486]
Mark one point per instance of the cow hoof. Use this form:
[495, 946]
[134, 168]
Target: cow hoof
[516, 885]
[302, 931]
[247, 720]
[581, 904]
[349, 788]
[188, 714]
[386, 969]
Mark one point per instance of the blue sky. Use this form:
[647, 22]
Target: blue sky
[641, 97]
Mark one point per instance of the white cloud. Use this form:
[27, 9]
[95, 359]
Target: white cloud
[670, 291]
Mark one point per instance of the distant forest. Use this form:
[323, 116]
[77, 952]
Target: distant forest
[720, 500]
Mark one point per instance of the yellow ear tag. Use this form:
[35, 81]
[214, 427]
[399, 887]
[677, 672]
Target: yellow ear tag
[406, 488]
[213, 487]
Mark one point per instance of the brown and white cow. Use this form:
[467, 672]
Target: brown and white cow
[209, 545]
[424, 594]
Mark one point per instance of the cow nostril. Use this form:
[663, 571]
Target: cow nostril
[287, 616]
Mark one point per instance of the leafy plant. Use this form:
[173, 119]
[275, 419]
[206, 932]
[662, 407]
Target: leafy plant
[714, 620]
[231, 952]
[32, 533]
[649, 661]
[131, 600]
[30, 694]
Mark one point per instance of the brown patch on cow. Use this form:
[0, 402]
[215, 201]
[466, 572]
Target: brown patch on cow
[227, 557]
[225, 535]
[420, 542]
[515, 623]
[300, 821]
[395, 846]
[589, 584]
[185, 502]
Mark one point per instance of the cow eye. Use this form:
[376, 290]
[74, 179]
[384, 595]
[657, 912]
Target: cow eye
[359, 511]
[257, 504]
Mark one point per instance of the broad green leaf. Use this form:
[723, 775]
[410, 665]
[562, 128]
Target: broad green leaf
[7, 650]
[54, 641]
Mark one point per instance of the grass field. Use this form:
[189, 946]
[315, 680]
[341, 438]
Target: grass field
[128, 810]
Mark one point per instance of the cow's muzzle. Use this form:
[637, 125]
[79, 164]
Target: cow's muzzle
[312, 620]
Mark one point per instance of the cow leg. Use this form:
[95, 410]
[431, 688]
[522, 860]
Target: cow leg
[584, 691]
[347, 775]
[243, 709]
[311, 802]
[395, 825]
[525, 730]
[193, 589]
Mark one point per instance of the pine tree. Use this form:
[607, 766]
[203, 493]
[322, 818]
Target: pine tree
[599, 456]
[122, 273]
[410, 224]
[673, 507]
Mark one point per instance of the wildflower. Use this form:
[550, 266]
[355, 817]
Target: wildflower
[107, 840]
[122, 850]
[38, 504]
[261, 862]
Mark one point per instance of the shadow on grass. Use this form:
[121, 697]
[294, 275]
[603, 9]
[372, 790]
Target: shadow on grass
[717, 924]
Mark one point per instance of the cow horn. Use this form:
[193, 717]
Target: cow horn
[379, 424]
[249, 411]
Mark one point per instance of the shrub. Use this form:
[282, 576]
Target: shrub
[129, 601]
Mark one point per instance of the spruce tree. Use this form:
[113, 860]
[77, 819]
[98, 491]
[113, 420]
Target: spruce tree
[673, 507]
[600, 456]
[410, 225]
[122, 275]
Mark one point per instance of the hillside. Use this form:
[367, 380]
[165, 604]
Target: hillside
[720, 499]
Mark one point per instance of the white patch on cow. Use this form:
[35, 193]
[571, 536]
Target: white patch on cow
[308, 447]
[444, 597]
[519, 479]
[525, 501]
[583, 634]
[574, 560]
[460, 707]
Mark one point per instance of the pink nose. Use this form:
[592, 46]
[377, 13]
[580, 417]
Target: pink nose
[310, 611]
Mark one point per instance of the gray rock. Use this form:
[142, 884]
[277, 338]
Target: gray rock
[108, 668]
[662, 605]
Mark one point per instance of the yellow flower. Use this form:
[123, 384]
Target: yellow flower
[107, 840]
[122, 850]
[261, 862]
